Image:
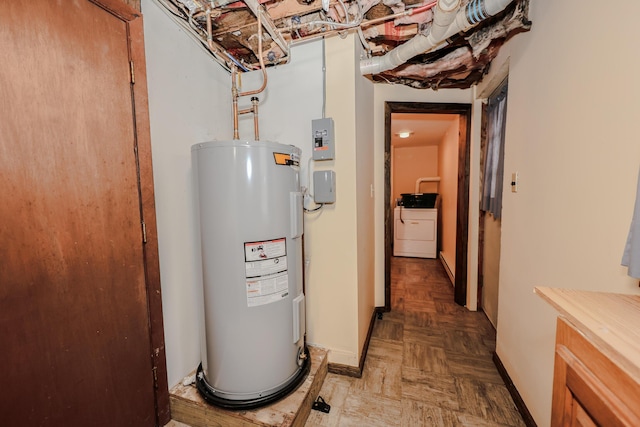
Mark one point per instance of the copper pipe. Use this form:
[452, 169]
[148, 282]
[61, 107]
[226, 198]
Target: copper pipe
[254, 110]
[209, 32]
[254, 101]
[234, 87]
[260, 59]
[234, 96]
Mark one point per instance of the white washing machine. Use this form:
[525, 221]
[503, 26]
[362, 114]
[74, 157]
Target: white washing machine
[415, 232]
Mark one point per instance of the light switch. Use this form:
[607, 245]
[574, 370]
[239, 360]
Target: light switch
[514, 182]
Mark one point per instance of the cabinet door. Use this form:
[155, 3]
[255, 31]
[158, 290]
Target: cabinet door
[74, 307]
[589, 389]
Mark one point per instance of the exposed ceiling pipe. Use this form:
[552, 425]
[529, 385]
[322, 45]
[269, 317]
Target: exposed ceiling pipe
[357, 25]
[475, 12]
[408, 12]
[268, 24]
[217, 50]
[443, 16]
[235, 93]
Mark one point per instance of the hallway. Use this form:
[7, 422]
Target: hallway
[429, 362]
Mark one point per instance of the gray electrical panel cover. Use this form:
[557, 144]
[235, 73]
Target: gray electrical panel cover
[323, 138]
[324, 187]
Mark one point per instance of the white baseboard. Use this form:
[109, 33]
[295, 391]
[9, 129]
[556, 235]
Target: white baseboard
[450, 273]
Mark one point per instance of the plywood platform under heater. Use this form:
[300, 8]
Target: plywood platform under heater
[188, 407]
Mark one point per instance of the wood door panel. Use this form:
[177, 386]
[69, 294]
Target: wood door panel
[74, 323]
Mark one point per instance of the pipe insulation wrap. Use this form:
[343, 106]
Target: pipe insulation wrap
[460, 21]
[475, 11]
[493, 7]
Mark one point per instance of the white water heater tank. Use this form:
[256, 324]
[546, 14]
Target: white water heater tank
[250, 213]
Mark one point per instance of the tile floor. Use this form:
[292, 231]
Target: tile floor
[429, 363]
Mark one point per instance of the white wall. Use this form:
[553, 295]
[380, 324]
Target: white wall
[571, 133]
[365, 193]
[332, 288]
[190, 102]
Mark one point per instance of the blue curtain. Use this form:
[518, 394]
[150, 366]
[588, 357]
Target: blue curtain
[494, 156]
[631, 257]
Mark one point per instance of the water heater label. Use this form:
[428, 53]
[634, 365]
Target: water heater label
[267, 290]
[258, 251]
[286, 159]
[265, 267]
[266, 271]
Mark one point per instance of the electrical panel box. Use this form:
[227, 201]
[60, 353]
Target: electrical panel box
[323, 139]
[324, 187]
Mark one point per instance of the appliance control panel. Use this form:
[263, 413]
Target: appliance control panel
[323, 136]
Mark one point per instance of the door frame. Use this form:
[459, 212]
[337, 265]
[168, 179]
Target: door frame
[462, 215]
[482, 215]
[142, 149]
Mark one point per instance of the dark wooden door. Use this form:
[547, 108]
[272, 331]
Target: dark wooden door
[75, 341]
[463, 111]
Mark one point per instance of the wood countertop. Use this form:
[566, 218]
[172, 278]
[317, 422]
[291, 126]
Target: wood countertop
[611, 321]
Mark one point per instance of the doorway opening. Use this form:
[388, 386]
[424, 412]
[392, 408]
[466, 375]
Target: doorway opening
[492, 142]
[463, 114]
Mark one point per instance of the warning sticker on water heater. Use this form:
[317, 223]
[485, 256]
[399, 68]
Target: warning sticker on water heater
[287, 159]
[266, 271]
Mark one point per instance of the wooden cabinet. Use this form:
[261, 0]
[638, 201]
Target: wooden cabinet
[597, 359]
[589, 389]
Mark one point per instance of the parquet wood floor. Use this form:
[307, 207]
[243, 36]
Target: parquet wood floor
[429, 363]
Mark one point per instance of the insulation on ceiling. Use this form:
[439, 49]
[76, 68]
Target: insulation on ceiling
[382, 24]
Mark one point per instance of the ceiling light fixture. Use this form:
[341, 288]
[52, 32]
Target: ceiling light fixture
[404, 134]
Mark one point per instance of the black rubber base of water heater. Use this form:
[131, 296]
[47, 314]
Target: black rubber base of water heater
[209, 394]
